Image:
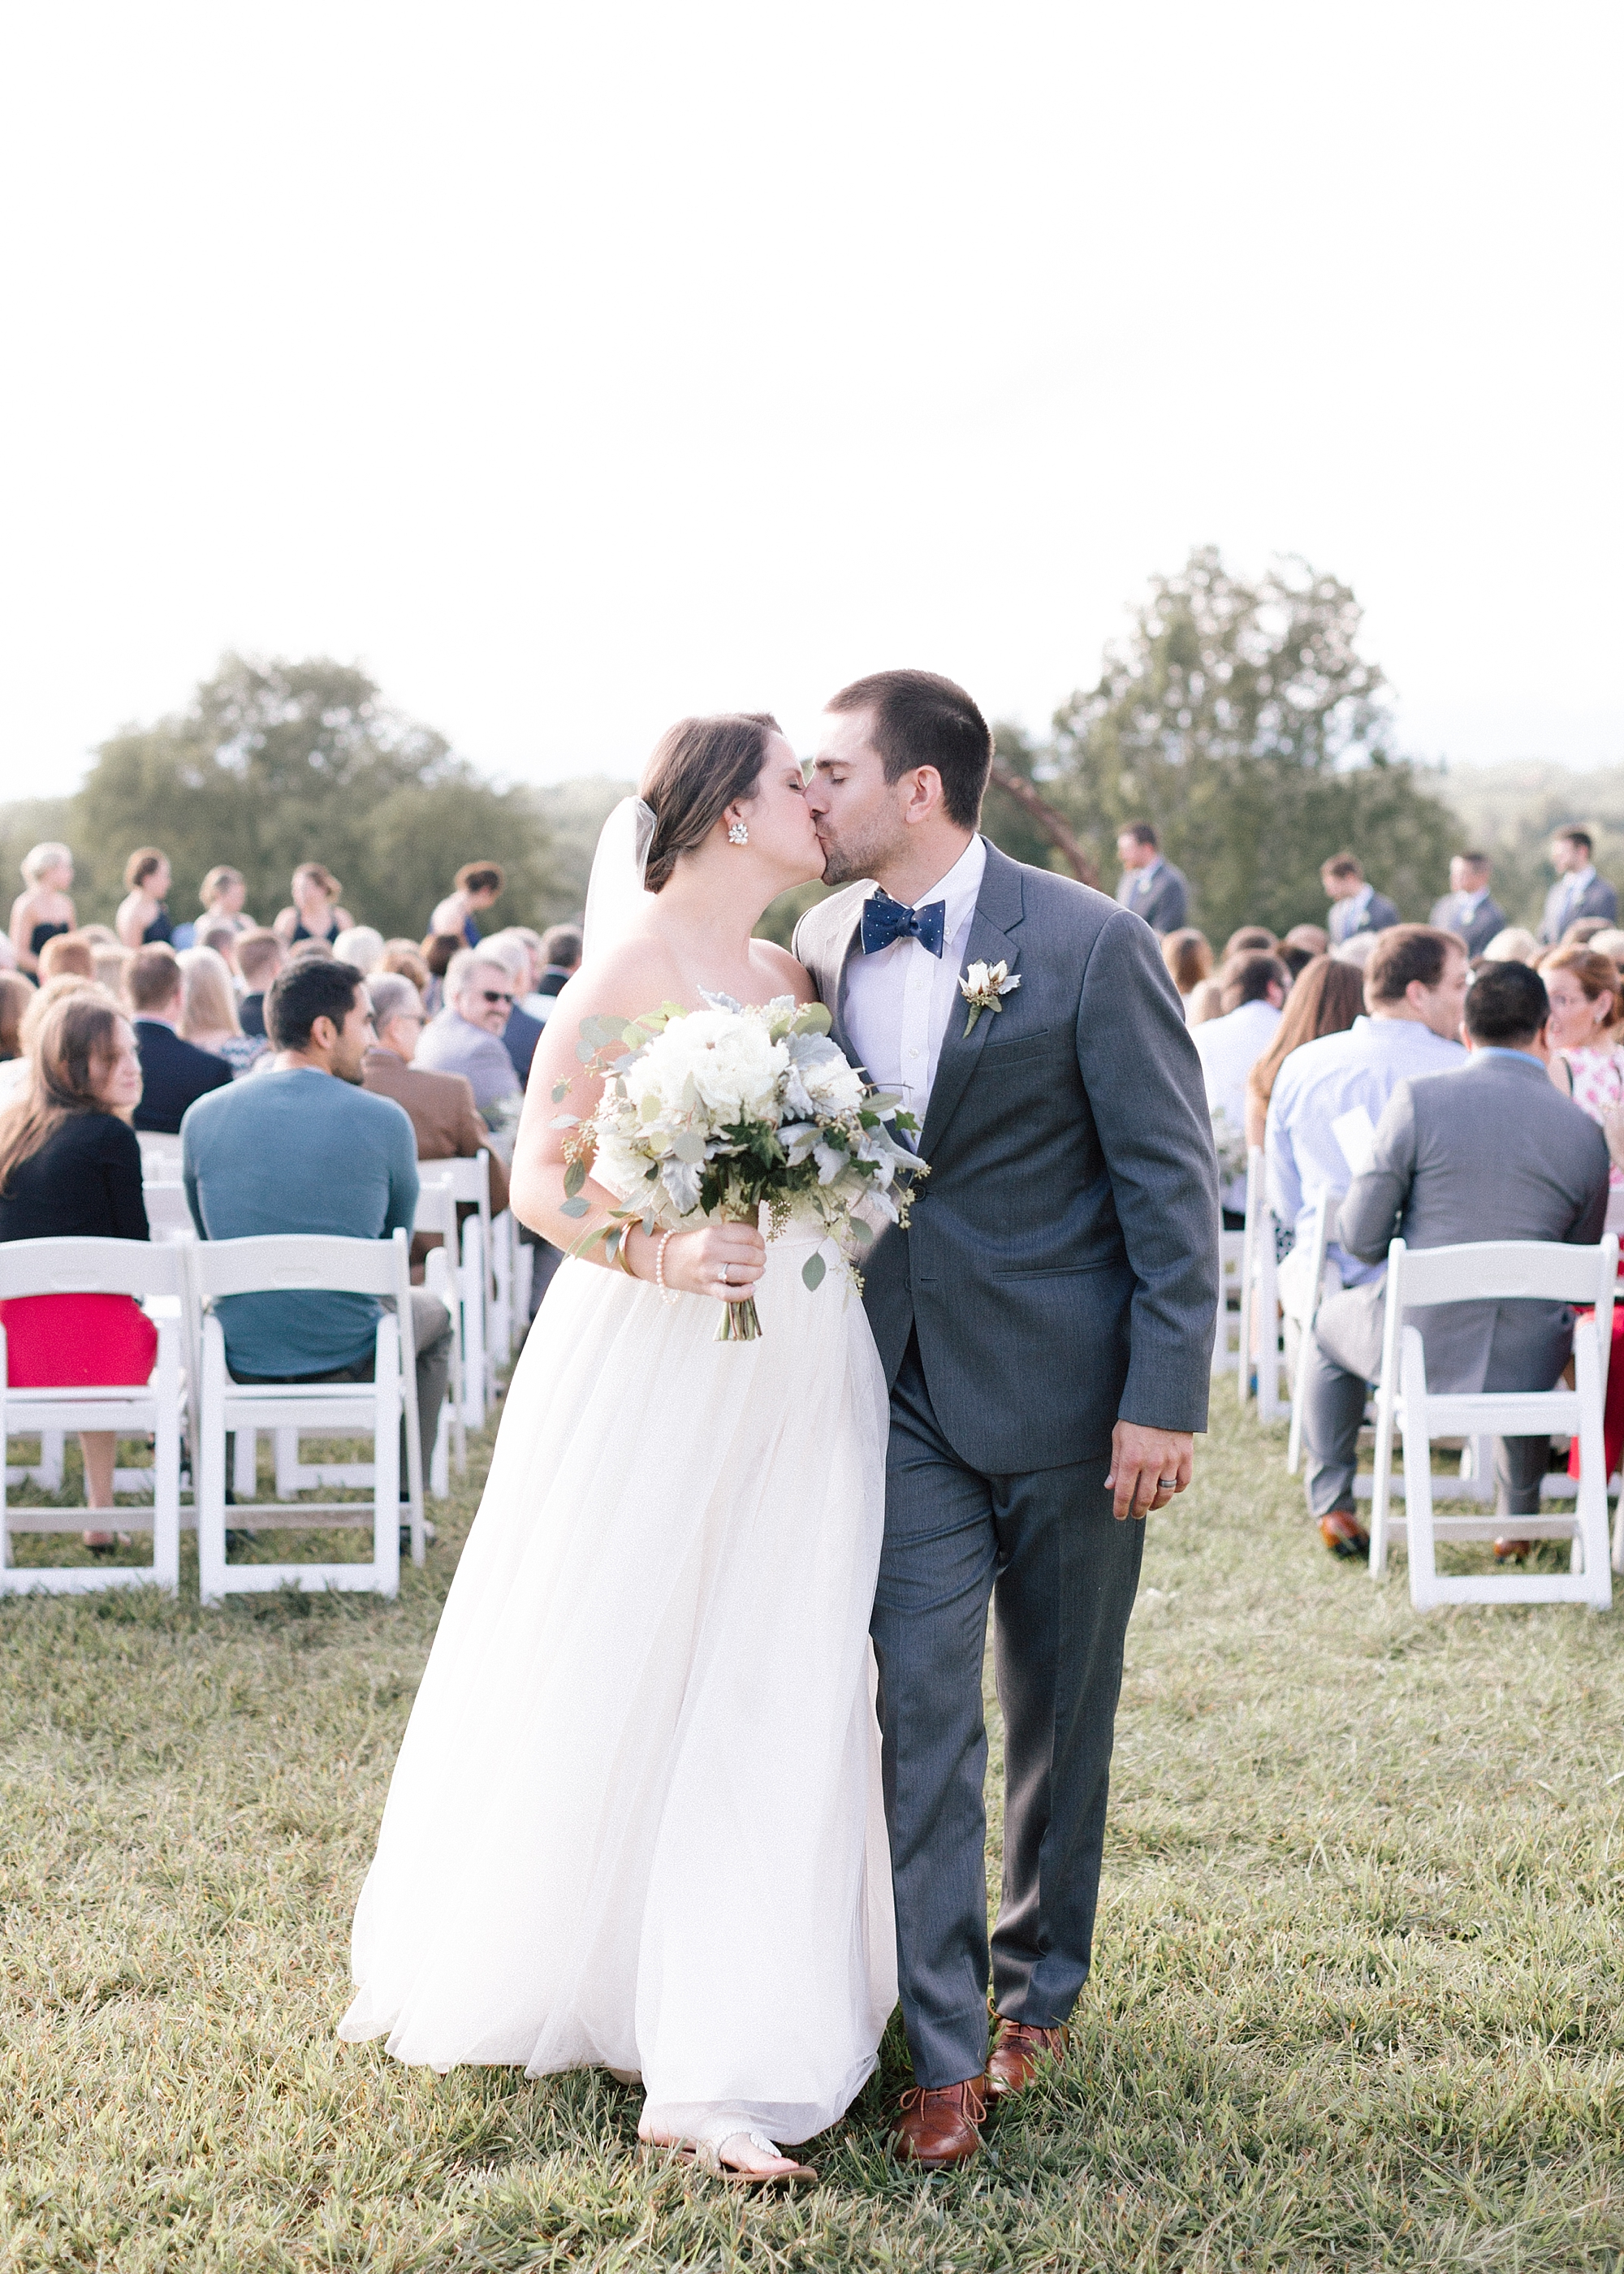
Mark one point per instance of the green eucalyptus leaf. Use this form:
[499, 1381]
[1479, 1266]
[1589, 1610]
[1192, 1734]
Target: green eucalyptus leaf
[813, 1018]
[585, 1052]
[574, 1177]
[574, 1208]
[861, 1233]
[561, 1089]
[813, 1270]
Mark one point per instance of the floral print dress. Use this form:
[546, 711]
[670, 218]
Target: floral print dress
[1598, 1078]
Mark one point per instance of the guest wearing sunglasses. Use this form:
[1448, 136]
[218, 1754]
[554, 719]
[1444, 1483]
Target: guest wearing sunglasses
[466, 1037]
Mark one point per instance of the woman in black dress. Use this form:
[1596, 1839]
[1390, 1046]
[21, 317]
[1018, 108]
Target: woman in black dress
[143, 917]
[43, 910]
[70, 1167]
[315, 913]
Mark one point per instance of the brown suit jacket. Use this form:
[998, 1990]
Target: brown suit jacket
[442, 1112]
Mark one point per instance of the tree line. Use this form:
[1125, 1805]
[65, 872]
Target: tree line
[1240, 715]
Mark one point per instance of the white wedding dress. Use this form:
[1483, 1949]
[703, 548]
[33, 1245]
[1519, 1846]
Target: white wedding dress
[637, 1818]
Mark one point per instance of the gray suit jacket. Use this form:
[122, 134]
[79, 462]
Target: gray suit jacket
[1597, 899]
[1061, 1270]
[1161, 898]
[1377, 914]
[1491, 1151]
[1477, 931]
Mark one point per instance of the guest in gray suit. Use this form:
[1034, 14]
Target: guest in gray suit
[1578, 892]
[1468, 909]
[1356, 907]
[1151, 886]
[1045, 1324]
[1492, 1151]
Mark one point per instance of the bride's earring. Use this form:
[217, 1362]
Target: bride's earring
[738, 834]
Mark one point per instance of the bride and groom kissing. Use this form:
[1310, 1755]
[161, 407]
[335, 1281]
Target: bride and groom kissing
[693, 1786]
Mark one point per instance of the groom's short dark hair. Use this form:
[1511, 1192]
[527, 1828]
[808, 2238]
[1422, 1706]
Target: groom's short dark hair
[921, 720]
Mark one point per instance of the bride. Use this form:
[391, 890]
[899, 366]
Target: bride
[636, 1815]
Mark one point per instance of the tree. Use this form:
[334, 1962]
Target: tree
[1242, 719]
[275, 763]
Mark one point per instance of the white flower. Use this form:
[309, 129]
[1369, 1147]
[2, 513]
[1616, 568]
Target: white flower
[982, 987]
[731, 1062]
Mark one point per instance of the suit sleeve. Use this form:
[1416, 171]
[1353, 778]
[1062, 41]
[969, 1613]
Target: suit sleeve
[1372, 1207]
[1177, 904]
[402, 1154]
[1143, 1077]
[1590, 1221]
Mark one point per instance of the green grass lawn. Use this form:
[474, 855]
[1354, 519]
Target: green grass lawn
[1357, 1998]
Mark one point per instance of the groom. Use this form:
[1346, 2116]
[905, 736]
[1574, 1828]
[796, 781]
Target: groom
[1045, 1326]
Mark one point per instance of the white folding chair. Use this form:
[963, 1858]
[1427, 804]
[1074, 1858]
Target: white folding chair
[1314, 1244]
[168, 1216]
[318, 1264]
[156, 1276]
[1493, 1271]
[437, 1212]
[1261, 1293]
[470, 1182]
[1228, 1349]
[1249, 1266]
[160, 1154]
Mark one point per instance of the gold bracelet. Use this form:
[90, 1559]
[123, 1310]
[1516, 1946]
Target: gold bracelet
[621, 1256]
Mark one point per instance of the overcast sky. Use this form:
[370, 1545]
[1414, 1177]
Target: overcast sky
[572, 368]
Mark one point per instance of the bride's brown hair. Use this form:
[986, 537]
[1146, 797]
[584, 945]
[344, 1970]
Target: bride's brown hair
[699, 767]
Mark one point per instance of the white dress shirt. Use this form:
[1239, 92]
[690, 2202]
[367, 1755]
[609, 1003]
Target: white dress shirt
[1135, 882]
[1579, 883]
[897, 1001]
[1228, 1048]
[1321, 1079]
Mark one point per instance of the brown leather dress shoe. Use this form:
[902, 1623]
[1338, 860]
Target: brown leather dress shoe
[940, 2125]
[1345, 1536]
[1018, 2051]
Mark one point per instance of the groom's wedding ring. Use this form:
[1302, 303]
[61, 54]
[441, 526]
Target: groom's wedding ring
[1168, 1484]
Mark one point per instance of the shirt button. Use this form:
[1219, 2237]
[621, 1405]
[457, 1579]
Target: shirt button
[913, 1054]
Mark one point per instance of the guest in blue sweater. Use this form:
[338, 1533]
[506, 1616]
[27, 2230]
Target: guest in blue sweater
[303, 1147]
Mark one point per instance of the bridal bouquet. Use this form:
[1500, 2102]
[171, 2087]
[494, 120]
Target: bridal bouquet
[708, 1114]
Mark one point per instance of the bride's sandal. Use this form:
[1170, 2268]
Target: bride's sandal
[706, 2156]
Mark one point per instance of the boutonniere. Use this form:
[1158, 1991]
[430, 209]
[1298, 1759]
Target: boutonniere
[983, 987]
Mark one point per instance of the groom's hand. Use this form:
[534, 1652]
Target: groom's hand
[1147, 1467]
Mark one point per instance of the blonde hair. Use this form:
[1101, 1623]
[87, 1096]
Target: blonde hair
[209, 1002]
[322, 878]
[39, 858]
[362, 946]
[213, 882]
[1512, 945]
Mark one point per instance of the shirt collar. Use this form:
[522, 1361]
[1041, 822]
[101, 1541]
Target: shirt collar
[1578, 878]
[1362, 898]
[959, 888]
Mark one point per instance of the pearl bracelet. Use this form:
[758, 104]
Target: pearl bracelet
[667, 1295]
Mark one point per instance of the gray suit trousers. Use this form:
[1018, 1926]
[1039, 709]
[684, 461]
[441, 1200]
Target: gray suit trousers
[1061, 1574]
[1333, 1400]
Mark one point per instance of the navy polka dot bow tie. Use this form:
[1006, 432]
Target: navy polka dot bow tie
[884, 919]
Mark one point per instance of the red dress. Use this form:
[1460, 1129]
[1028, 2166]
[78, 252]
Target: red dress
[83, 1181]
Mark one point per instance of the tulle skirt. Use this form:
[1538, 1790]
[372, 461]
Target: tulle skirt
[637, 1819]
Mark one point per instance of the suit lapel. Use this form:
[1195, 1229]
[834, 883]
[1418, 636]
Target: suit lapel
[999, 908]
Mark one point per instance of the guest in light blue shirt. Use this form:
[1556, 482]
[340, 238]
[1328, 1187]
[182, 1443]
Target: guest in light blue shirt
[1414, 994]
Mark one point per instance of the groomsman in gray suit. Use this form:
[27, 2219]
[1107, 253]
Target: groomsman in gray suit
[1355, 906]
[1578, 892]
[1045, 1324]
[1151, 886]
[1468, 909]
[1490, 1151]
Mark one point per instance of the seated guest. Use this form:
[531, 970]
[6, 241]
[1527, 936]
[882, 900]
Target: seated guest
[1251, 939]
[70, 953]
[560, 951]
[1356, 950]
[209, 1017]
[477, 886]
[1255, 988]
[1355, 906]
[361, 946]
[143, 919]
[522, 1033]
[223, 940]
[1467, 908]
[440, 1106]
[259, 958]
[110, 965]
[1415, 990]
[1297, 959]
[1512, 945]
[16, 1073]
[1326, 998]
[1315, 938]
[1586, 1062]
[1189, 960]
[466, 1036]
[15, 997]
[1486, 1151]
[303, 1147]
[438, 947]
[403, 959]
[71, 1168]
[173, 1072]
